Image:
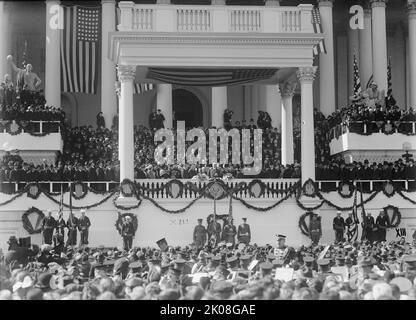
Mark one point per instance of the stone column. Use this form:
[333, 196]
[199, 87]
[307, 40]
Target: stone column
[366, 48]
[326, 61]
[108, 68]
[4, 50]
[287, 90]
[378, 12]
[52, 56]
[126, 75]
[219, 104]
[164, 103]
[412, 52]
[306, 76]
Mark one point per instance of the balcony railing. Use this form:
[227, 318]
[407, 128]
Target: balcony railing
[32, 126]
[366, 185]
[179, 18]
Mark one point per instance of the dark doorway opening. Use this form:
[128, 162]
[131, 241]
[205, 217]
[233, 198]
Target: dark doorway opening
[187, 107]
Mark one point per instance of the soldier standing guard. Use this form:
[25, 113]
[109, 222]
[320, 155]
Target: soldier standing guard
[127, 232]
[382, 225]
[83, 226]
[59, 238]
[72, 225]
[338, 225]
[214, 231]
[244, 232]
[315, 229]
[200, 235]
[229, 232]
[48, 225]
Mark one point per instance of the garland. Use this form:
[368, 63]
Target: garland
[303, 226]
[28, 225]
[351, 189]
[33, 190]
[396, 217]
[399, 192]
[190, 204]
[23, 125]
[84, 187]
[120, 220]
[83, 207]
[127, 188]
[261, 209]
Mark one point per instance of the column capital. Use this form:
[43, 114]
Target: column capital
[117, 87]
[272, 3]
[126, 73]
[326, 3]
[162, 1]
[411, 8]
[378, 3]
[287, 89]
[218, 2]
[108, 1]
[306, 74]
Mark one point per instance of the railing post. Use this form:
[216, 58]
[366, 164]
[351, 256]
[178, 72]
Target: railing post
[406, 184]
[126, 15]
[371, 185]
[41, 126]
[414, 127]
[365, 127]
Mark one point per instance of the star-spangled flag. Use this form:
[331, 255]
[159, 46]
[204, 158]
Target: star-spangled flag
[317, 28]
[357, 80]
[391, 102]
[80, 49]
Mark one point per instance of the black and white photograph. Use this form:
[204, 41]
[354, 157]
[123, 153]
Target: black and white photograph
[208, 154]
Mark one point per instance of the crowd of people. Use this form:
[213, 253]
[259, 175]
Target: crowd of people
[358, 270]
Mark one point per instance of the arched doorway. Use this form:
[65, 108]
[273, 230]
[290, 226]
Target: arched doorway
[187, 107]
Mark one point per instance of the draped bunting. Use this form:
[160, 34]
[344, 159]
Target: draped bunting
[209, 77]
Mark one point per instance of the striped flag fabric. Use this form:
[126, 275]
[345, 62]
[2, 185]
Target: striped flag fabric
[357, 80]
[140, 88]
[80, 49]
[390, 101]
[208, 77]
[317, 28]
[370, 81]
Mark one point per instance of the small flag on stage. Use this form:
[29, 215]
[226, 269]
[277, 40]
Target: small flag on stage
[357, 80]
[317, 28]
[390, 101]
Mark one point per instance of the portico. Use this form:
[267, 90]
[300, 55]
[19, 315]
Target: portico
[220, 38]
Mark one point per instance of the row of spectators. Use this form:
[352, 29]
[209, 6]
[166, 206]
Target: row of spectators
[33, 112]
[373, 271]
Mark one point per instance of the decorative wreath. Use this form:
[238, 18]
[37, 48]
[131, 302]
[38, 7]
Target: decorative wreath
[256, 188]
[127, 188]
[174, 188]
[346, 189]
[303, 226]
[79, 190]
[120, 220]
[216, 189]
[395, 216]
[309, 188]
[389, 189]
[33, 190]
[37, 228]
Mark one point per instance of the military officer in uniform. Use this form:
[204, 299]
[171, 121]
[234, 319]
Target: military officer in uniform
[282, 250]
[368, 228]
[59, 237]
[72, 225]
[214, 231]
[229, 232]
[200, 235]
[382, 225]
[338, 224]
[48, 225]
[324, 268]
[83, 226]
[244, 232]
[127, 232]
[315, 229]
[350, 225]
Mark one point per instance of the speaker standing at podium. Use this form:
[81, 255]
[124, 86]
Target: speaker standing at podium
[48, 225]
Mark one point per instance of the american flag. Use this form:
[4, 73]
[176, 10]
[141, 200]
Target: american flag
[208, 77]
[352, 232]
[391, 102]
[317, 28]
[80, 49]
[357, 80]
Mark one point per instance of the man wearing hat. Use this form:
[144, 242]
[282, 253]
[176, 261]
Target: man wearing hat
[338, 225]
[368, 227]
[200, 235]
[282, 250]
[72, 225]
[382, 225]
[229, 232]
[83, 226]
[214, 231]
[127, 232]
[324, 268]
[315, 229]
[244, 232]
[48, 225]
